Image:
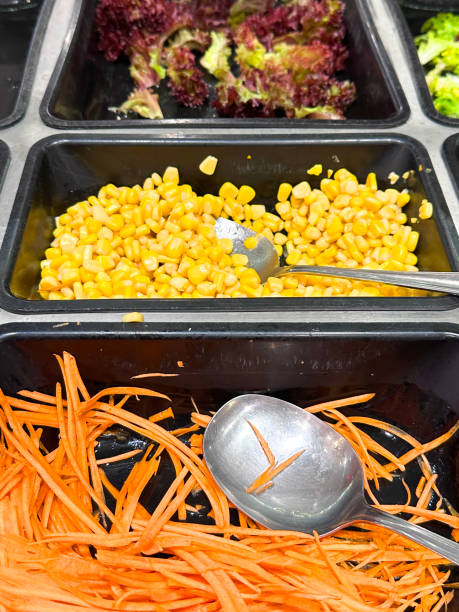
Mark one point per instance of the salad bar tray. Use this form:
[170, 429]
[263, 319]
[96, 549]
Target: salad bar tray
[22, 28]
[387, 130]
[82, 163]
[85, 86]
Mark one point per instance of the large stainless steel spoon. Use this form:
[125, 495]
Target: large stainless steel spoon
[322, 490]
[265, 260]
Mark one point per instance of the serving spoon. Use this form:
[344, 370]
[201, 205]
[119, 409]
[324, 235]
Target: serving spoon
[265, 260]
[322, 490]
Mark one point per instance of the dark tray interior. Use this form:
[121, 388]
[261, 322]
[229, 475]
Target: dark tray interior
[84, 85]
[448, 5]
[451, 155]
[63, 170]
[413, 372]
[22, 28]
[410, 16]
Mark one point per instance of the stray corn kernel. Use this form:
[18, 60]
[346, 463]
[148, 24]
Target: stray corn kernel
[315, 170]
[208, 165]
[133, 317]
[393, 178]
[425, 210]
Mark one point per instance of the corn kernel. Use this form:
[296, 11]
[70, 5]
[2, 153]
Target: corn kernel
[371, 182]
[133, 317]
[284, 192]
[70, 276]
[425, 210]
[257, 211]
[228, 190]
[208, 165]
[115, 222]
[403, 198]
[239, 259]
[302, 190]
[171, 175]
[315, 170]
[293, 258]
[251, 242]
[290, 282]
[412, 241]
[245, 194]
[53, 253]
[198, 274]
[275, 284]
[49, 283]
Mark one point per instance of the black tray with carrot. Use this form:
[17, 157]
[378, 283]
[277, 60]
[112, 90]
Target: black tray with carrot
[125, 513]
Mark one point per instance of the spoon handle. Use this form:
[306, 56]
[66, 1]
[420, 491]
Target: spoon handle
[446, 282]
[443, 546]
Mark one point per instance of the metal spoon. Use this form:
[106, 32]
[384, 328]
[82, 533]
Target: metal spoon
[322, 490]
[265, 260]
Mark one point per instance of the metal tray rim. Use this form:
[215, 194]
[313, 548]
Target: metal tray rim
[151, 330]
[396, 92]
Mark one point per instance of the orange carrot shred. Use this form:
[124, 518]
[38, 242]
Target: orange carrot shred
[264, 445]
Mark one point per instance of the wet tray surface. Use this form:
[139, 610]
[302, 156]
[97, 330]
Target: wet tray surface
[412, 370]
[64, 170]
[410, 17]
[22, 28]
[84, 85]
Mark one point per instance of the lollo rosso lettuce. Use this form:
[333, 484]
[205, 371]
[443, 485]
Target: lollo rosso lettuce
[260, 58]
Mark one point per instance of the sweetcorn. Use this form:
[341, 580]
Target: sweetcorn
[157, 240]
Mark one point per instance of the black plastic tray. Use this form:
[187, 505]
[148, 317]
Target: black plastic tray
[409, 18]
[411, 368]
[84, 85]
[21, 35]
[61, 170]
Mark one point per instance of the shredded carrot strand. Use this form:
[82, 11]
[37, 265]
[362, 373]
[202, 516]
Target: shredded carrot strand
[264, 445]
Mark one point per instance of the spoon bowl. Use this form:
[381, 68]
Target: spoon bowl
[265, 260]
[322, 490]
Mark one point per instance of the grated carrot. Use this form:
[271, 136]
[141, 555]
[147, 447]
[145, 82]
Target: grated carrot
[63, 549]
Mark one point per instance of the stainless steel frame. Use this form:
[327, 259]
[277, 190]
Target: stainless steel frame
[21, 136]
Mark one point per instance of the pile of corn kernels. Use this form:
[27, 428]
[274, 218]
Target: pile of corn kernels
[158, 240]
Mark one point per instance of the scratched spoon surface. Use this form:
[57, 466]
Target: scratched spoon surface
[322, 490]
[265, 260]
